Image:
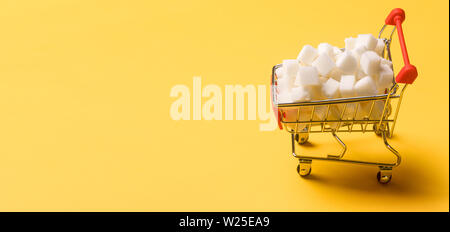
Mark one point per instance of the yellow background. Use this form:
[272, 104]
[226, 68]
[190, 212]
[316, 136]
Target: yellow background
[84, 107]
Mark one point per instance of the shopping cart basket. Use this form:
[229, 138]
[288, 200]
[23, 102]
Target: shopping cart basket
[347, 114]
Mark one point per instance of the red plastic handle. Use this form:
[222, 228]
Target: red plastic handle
[408, 73]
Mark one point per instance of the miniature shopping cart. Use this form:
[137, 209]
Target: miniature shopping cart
[350, 116]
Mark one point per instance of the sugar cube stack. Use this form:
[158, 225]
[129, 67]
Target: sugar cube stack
[300, 94]
[290, 68]
[370, 63]
[346, 86]
[328, 72]
[347, 89]
[307, 55]
[366, 87]
[350, 43]
[324, 64]
[325, 48]
[380, 47]
[307, 76]
[331, 89]
[358, 51]
[367, 40]
[336, 52]
[347, 63]
[385, 77]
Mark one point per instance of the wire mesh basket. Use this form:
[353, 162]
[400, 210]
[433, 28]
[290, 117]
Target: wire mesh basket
[376, 114]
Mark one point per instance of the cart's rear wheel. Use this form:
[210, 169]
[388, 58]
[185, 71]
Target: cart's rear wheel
[303, 172]
[304, 168]
[384, 178]
[301, 138]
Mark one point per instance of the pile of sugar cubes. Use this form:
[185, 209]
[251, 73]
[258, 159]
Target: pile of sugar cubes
[329, 72]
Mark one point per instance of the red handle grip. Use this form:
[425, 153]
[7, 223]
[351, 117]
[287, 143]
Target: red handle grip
[408, 73]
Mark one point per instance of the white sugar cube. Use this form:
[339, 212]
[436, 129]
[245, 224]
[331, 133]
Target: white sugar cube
[324, 64]
[380, 47]
[365, 110]
[367, 40]
[350, 43]
[290, 68]
[299, 94]
[320, 112]
[331, 89]
[347, 63]
[307, 55]
[358, 51]
[384, 61]
[307, 76]
[346, 86]
[350, 110]
[360, 74]
[334, 114]
[336, 74]
[284, 84]
[370, 62]
[385, 77]
[323, 80]
[284, 97]
[366, 87]
[325, 48]
[346, 89]
[279, 72]
[315, 92]
[336, 52]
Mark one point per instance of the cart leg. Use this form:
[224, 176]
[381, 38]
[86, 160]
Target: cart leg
[344, 147]
[304, 167]
[388, 131]
[390, 148]
[384, 176]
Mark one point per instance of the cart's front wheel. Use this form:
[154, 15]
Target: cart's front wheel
[301, 138]
[304, 168]
[384, 178]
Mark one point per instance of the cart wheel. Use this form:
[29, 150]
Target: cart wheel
[304, 169]
[385, 178]
[301, 138]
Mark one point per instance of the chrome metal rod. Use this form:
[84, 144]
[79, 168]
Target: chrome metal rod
[390, 148]
[337, 101]
[293, 145]
[379, 164]
[397, 109]
[343, 121]
[344, 147]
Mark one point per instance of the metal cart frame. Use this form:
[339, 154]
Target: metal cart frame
[382, 124]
